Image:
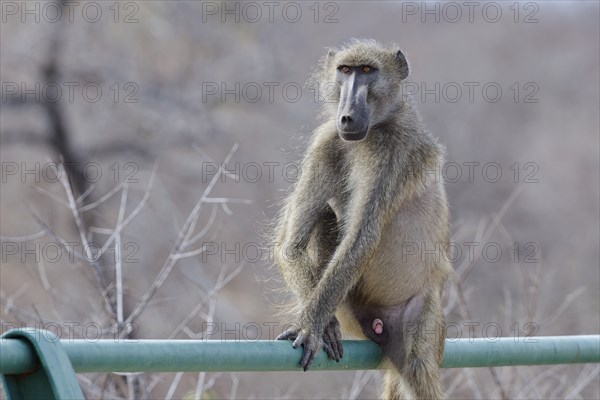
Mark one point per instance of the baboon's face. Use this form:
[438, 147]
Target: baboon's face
[368, 82]
[354, 111]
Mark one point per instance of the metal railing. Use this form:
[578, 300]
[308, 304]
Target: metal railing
[35, 361]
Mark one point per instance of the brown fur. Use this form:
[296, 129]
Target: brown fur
[339, 241]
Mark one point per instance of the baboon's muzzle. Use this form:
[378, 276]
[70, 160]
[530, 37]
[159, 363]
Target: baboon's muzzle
[353, 111]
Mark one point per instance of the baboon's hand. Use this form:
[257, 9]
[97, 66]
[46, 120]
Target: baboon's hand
[332, 340]
[311, 341]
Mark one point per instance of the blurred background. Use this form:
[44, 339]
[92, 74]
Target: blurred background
[147, 145]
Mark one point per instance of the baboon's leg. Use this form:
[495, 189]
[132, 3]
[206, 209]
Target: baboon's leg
[425, 348]
[411, 336]
[395, 387]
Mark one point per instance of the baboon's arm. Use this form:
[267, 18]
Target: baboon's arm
[292, 256]
[371, 207]
[359, 242]
[305, 208]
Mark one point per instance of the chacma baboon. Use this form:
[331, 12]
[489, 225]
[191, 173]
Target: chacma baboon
[370, 185]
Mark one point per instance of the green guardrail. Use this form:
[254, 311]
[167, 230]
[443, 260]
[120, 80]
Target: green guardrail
[37, 364]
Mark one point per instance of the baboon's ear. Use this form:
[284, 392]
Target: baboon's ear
[402, 64]
[329, 58]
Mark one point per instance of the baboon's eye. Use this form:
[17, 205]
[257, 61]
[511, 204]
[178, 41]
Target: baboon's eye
[345, 69]
[366, 68]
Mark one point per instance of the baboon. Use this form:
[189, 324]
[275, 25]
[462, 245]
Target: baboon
[369, 194]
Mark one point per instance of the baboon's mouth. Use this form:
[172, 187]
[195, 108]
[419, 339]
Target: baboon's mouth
[352, 136]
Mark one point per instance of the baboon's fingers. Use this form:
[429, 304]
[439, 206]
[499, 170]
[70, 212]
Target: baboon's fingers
[330, 347]
[339, 345]
[299, 340]
[312, 345]
[333, 343]
[307, 358]
[336, 338]
[329, 350]
[290, 334]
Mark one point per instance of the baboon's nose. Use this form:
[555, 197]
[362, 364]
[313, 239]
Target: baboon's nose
[348, 124]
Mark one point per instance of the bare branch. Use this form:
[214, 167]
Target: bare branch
[452, 387]
[221, 282]
[102, 199]
[64, 180]
[227, 200]
[173, 386]
[564, 305]
[181, 242]
[583, 383]
[360, 381]
[118, 263]
[52, 196]
[133, 214]
[234, 386]
[534, 382]
[64, 244]
[472, 383]
[205, 229]
[85, 194]
[43, 276]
